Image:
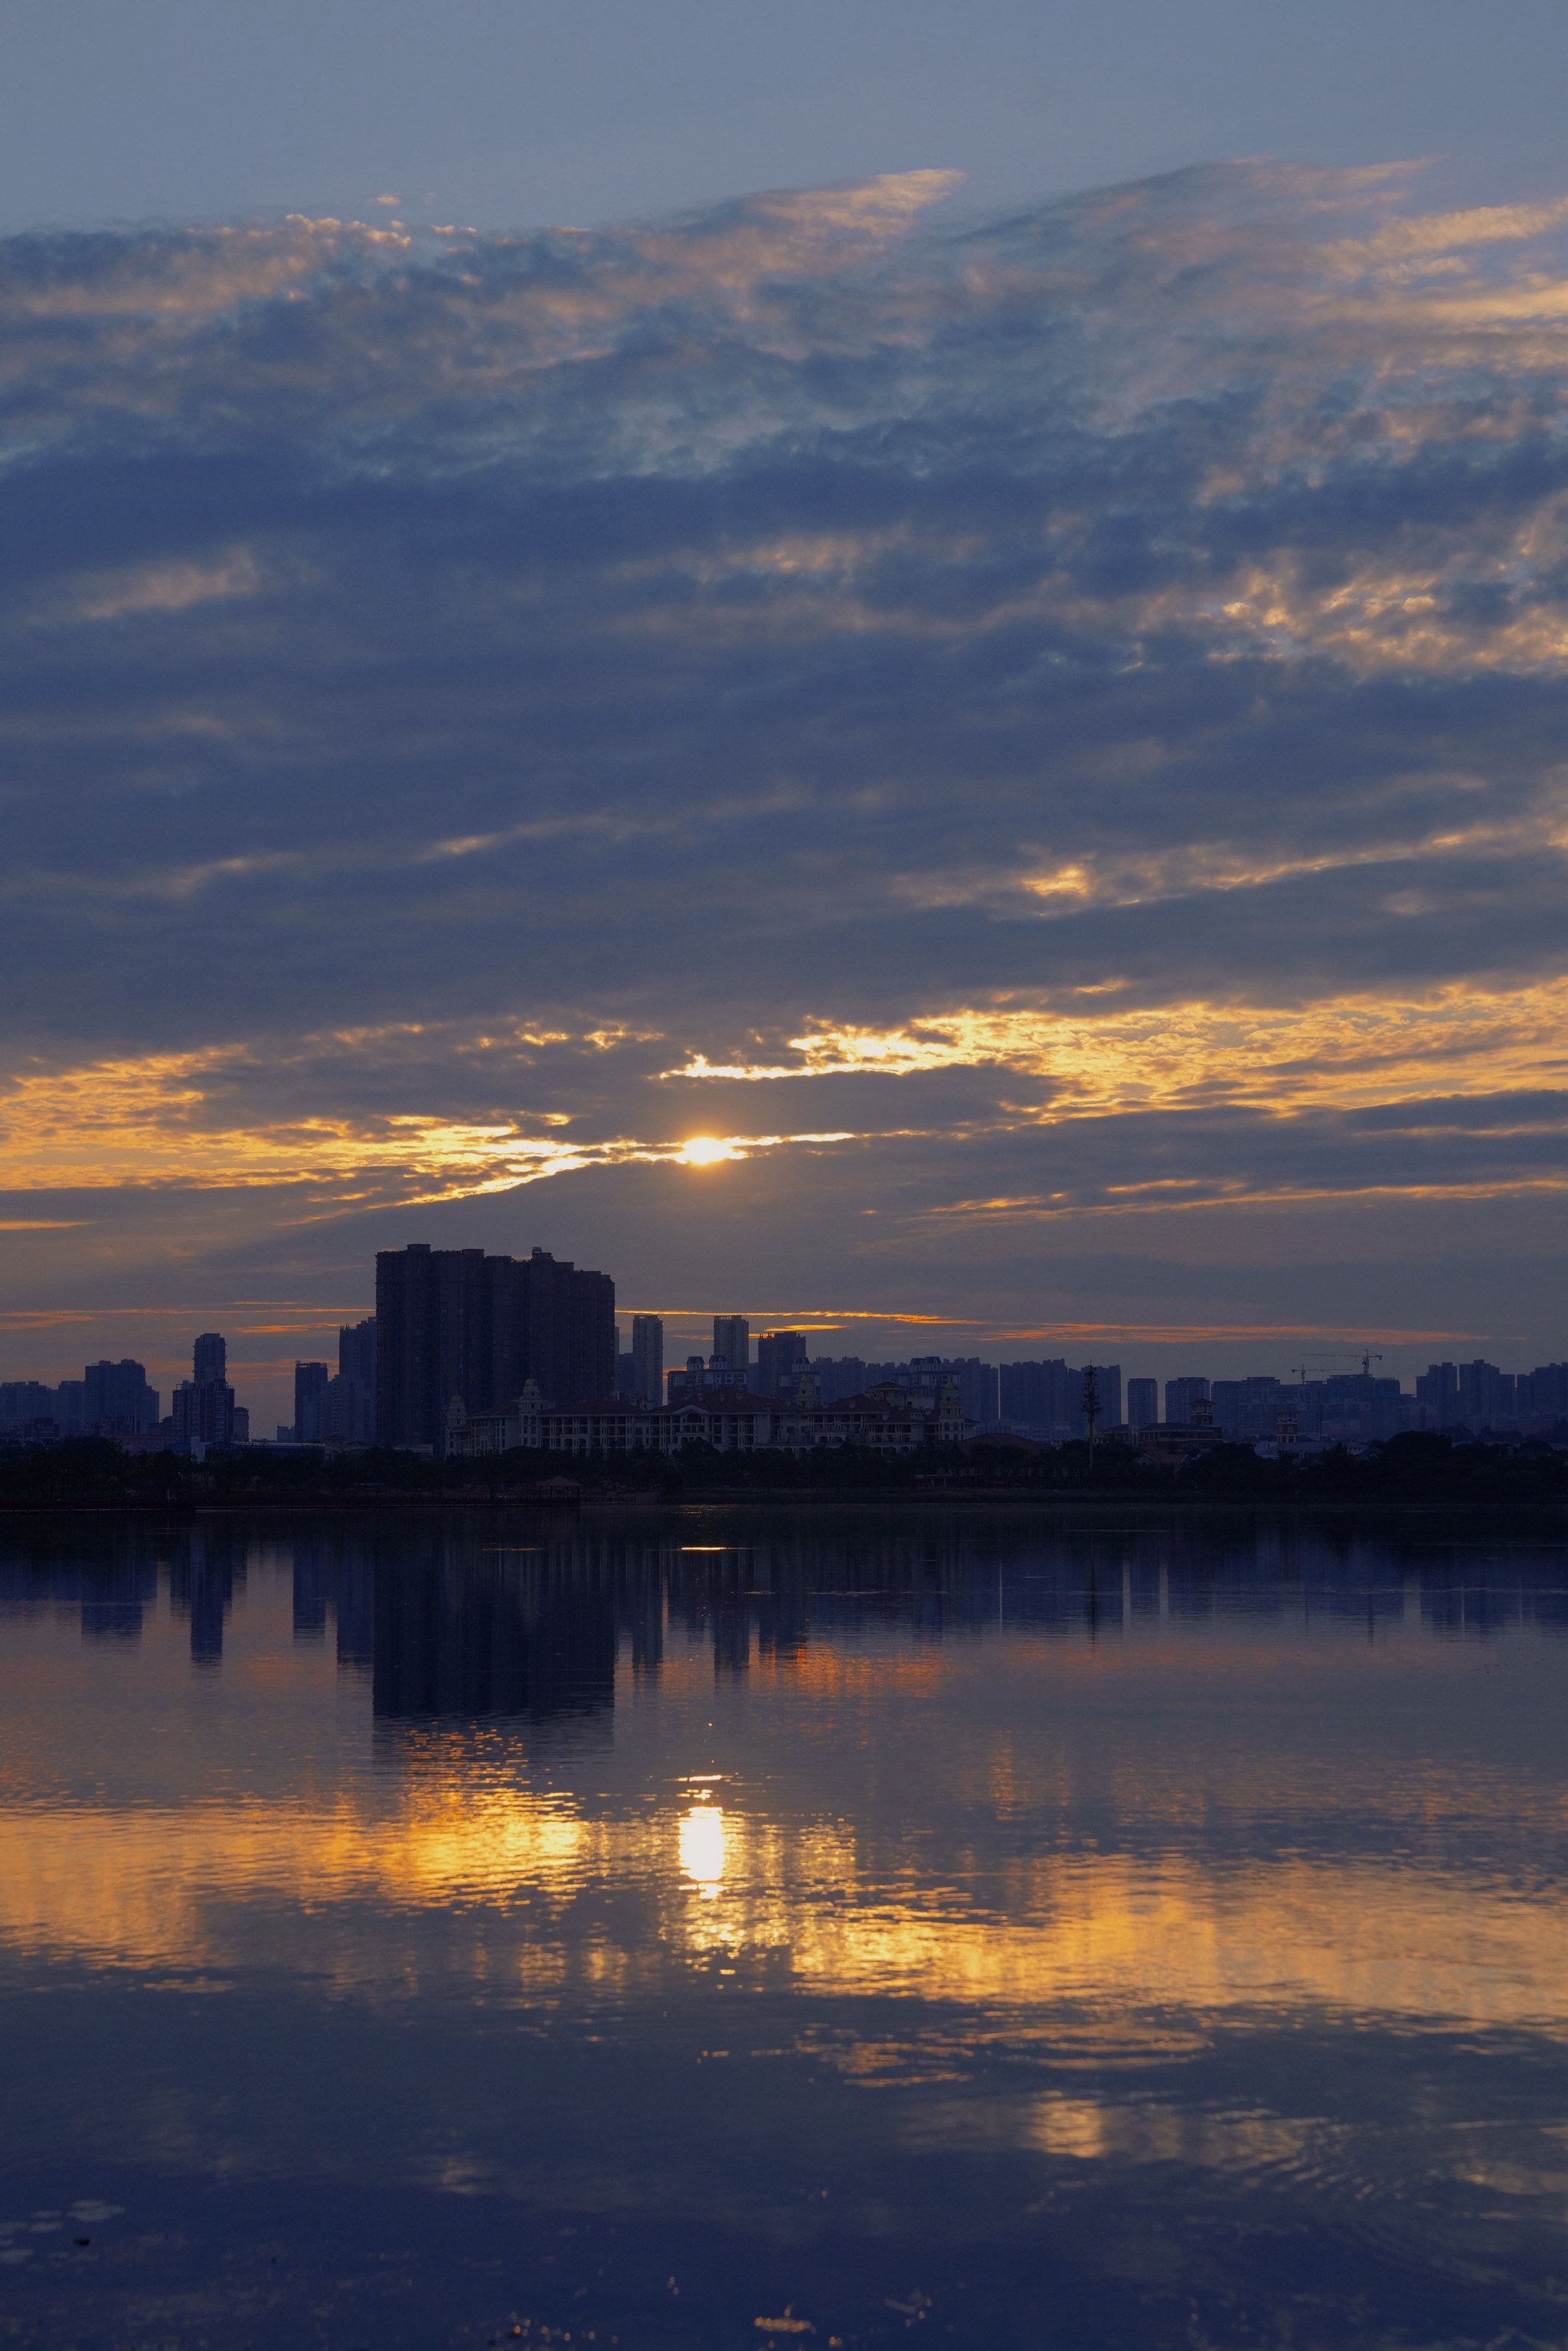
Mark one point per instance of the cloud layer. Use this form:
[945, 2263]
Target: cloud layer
[1007, 724]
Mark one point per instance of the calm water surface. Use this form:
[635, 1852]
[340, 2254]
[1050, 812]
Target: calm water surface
[783, 1928]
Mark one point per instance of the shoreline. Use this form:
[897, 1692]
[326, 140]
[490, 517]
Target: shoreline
[566, 1512]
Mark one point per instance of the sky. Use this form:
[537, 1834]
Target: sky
[971, 608]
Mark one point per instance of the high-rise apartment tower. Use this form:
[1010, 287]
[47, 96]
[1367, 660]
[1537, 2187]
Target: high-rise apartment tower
[1143, 1404]
[778, 1354]
[648, 1357]
[456, 1322]
[732, 1340]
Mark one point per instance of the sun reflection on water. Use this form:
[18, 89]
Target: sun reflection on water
[702, 1848]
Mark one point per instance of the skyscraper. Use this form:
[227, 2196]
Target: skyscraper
[204, 1407]
[456, 1322]
[778, 1352]
[1143, 1404]
[309, 1389]
[1438, 1387]
[117, 1400]
[732, 1340]
[648, 1356]
[347, 1411]
[1180, 1398]
[1108, 1380]
[1043, 1400]
[357, 1353]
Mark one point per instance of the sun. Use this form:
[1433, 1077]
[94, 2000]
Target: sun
[706, 1151]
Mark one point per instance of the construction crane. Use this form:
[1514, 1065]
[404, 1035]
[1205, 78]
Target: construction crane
[1369, 1355]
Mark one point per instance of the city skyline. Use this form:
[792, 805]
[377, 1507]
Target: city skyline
[497, 1303]
[268, 1379]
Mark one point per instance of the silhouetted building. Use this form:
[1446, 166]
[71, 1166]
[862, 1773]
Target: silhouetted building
[118, 1401]
[732, 1341]
[1108, 1382]
[648, 1358]
[1486, 1395]
[309, 1389]
[340, 1409]
[456, 1324]
[1043, 1400]
[24, 1403]
[1249, 1410]
[1143, 1404]
[202, 1407]
[1544, 1391]
[357, 1353]
[1438, 1387]
[1180, 1398]
[780, 1356]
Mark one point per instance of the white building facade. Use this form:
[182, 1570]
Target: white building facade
[728, 1420]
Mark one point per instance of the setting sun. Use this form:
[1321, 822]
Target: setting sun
[706, 1151]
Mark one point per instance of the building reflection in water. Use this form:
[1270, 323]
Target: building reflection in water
[109, 1581]
[206, 1567]
[1160, 1831]
[499, 1633]
[465, 1622]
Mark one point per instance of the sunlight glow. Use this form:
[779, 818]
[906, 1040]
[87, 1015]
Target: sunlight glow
[707, 1151]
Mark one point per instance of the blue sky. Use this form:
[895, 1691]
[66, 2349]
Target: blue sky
[1030, 709]
[504, 113]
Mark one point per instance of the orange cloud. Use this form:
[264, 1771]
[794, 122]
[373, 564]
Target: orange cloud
[1342, 1052]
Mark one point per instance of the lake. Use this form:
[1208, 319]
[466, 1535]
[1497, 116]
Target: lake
[791, 1927]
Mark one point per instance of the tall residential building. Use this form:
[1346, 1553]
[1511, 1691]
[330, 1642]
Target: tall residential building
[1108, 1388]
[1143, 1404]
[456, 1324]
[1043, 1400]
[648, 1357]
[309, 1392]
[777, 1354]
[357, 1353]
[978, 1384]
[732, 1340]
[346, 1411]
[1180, 1398]
[1544, 1390]
[22, 1401]
[1438, 1387]
[118, 1401]
[202, 1407]
[1485, 1393]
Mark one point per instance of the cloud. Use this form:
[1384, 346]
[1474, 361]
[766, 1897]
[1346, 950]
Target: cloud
[474, 708]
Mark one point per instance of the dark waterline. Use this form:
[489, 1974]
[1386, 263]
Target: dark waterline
[775, 1927]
